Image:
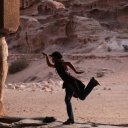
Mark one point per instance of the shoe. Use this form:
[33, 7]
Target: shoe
[94, 81]
[69, 121]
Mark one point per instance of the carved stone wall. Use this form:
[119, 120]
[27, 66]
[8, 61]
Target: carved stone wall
[9, 16]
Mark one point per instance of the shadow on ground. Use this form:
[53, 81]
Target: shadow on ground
[18, 122]
[87, 125]
[51, 122]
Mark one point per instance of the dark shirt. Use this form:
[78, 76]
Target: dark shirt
[69, 81]
[62, 71]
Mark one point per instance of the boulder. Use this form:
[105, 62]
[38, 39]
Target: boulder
[84, 29]
[49, 7]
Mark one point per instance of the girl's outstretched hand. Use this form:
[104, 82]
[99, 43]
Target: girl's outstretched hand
[45, 54]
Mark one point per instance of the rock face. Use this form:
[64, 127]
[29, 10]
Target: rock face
[109, 13]
[9, 16]
[122, 17]
[63, 24]
[34, 34]
[28, 36]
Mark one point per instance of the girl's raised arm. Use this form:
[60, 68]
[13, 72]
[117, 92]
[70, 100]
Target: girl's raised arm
[47, 60]
[73, 68]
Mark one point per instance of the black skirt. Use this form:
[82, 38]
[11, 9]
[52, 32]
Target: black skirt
[75, 86]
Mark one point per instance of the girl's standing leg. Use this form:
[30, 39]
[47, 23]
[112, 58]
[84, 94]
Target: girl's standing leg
[68, 96]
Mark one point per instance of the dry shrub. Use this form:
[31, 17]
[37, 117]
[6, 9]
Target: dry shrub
[18, 65]
[125, 48]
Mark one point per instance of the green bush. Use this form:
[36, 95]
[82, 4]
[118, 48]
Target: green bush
[18, 65]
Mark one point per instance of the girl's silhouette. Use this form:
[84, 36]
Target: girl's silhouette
[73, 87]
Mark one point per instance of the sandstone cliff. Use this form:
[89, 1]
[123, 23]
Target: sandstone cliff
[70, 25]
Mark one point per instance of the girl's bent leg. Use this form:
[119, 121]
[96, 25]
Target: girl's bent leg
[92, 83]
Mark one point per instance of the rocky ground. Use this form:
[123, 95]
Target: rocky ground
[106, 107]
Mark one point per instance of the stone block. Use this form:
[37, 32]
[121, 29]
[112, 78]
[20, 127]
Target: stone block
[9, 16]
